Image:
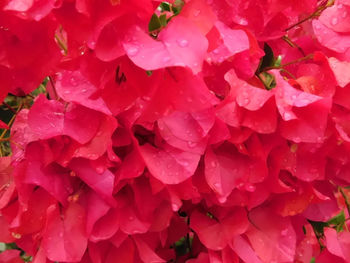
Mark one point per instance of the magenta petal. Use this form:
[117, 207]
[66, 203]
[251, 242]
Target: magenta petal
[169, 165]
[180, 44]
[64, 237]
[327, 37]
[338, 243]
[145, 252]
[46, 117]
[273, 238]
[72, 86]
[102, 184]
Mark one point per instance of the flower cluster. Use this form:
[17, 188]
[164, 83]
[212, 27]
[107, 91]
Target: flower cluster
[195, 131]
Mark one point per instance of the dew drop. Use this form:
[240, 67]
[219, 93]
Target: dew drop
[250, 188]
[319, 139]
[191, 144]
[100, 170]
[73, 81]
[196, 12]
[240, 185]
[175, 207]
[217, 185]
[213, 164]
[132, 51]
[185, 163]
[222, 199]
[92, 156]
[131, 218]
[287, 116]
[284, 232]
[182, 42]
[334, 21]
[246, 101]
[189, 99]
[166, 59]
[243, 21]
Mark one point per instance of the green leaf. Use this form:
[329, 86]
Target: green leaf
[268, 59]
[278, 61]
[165, 6]
[162, 19]
[318, 227]
[313, 260]
[337, 221]
[268, 80]
[177, 6]
[181, 247]
[210, 215]
[2, 246]
[154, 23]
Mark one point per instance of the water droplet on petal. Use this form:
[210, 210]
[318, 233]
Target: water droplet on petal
[73, 82]
[166, 59]
[287, 116]
[213, 164]
[175, 207]
[242, 21]
[250, 188]
[334, 21]
[297, 139]
[100, 170]
[196, 12]
[284, 232]
[131, 218]
[222, 199]
[191, 144]
[132, 51]
[182, 42]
